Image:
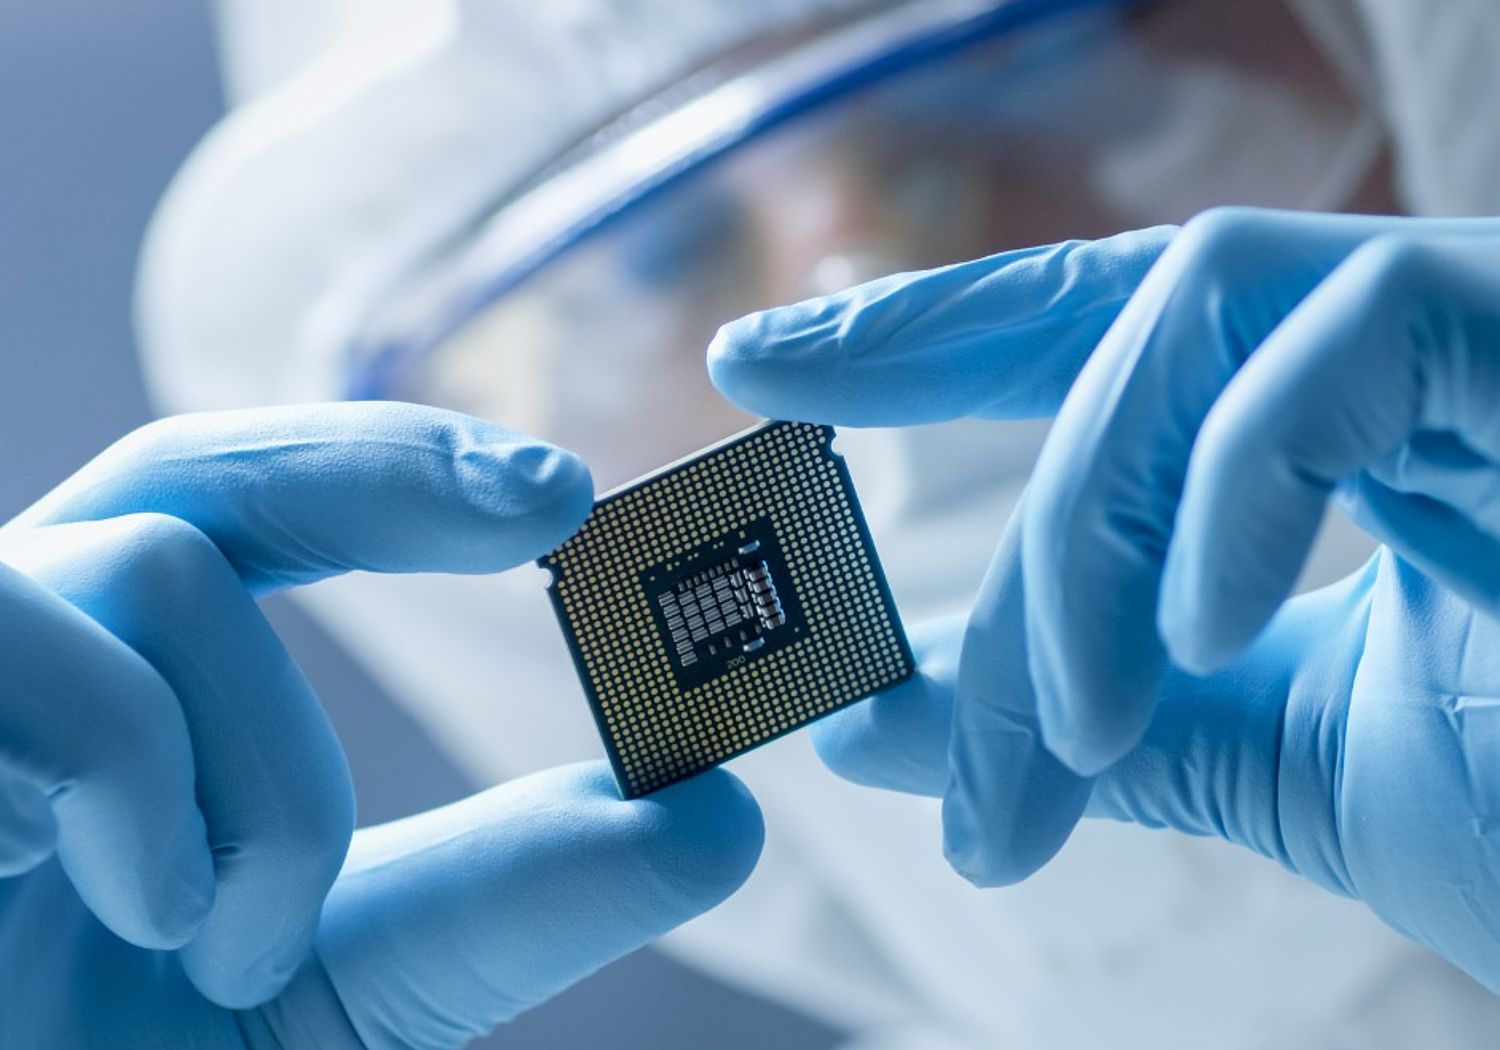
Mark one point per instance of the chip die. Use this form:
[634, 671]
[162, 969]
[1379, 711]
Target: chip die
[724, 600]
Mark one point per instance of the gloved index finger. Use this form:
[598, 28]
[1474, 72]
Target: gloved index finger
[296, 494]
[1001, 337]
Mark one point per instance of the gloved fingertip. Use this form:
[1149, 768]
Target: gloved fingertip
[967, 853]
[987, 856]
[162, 904]
[1089, 745]
[1199, 644]
[896, 741]
[1206, 614]
[244, 993]
[1009, 805]
[977, 866]
[17, 858]
[744, 363]
[164, 923]
[244, 984]
[187, 907]
[971, 850]
[706, 835]
[1089, 712]
[522, 478]
[843, 742]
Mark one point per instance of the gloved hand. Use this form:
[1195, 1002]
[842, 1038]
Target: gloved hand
[174, 807]
[1126, 656]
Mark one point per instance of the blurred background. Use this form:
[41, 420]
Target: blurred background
[99, 105]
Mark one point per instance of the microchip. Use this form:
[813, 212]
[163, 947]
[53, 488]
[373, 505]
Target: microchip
[723, 601]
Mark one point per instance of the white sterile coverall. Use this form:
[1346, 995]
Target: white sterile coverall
[364, 136]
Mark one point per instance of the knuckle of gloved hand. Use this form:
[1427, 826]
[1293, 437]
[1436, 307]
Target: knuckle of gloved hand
[296, 844]
[1227, 240]
[315, 828]
[1391, 267]
[306, 821]
[165, 556]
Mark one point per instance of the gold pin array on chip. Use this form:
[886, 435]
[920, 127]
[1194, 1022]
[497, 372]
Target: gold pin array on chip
[725, 600]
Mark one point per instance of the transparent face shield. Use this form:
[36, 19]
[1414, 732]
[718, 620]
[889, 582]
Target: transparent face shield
[912, 135]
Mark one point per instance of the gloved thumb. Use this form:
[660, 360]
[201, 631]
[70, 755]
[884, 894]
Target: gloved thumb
[446, 924]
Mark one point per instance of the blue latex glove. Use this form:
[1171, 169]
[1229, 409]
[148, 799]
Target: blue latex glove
[1240, 372]
[174, 807]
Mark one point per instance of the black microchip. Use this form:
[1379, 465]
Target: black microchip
[727, 602]
[723, 601]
